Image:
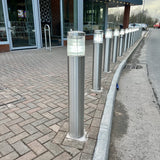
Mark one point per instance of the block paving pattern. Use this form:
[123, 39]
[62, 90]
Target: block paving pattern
[34, 106]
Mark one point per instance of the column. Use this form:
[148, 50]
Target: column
[78, 15]
[105, 17]
[126, 16]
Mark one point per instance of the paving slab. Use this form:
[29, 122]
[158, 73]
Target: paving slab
[34, 104]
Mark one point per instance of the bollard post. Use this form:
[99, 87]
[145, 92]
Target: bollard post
[76, 69]
[115, 46]
[107, 50]
[129, 38]
[133, 36]
[126, 40]
[97, 60]
[121, 43]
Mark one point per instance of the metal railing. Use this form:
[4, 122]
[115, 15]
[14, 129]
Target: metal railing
[47, 29]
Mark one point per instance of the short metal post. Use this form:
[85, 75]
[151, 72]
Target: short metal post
[121, 43]
[125, 40]
[132, 37]
[97, 60]
[115, 46]
[107, 50]
[76, 69]
[129, 38]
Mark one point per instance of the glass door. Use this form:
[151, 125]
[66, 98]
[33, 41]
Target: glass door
[21, 24]
[3, 32]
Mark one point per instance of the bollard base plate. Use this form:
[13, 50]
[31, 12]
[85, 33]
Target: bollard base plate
[81, 139]
[108, 72]
[99, 91]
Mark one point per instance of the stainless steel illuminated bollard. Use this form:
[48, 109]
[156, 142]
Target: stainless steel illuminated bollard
[97, 60]
[121, 42]
[126, 39]
[107, 50]
[132, 42]
[76, 68]
[115, 46]
[129, 38]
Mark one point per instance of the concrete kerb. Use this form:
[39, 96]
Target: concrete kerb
[103, 140]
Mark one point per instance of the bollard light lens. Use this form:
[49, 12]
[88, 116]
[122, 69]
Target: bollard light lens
[126, 31]
[116, 32]
[108, 33]
[122, 32]
[98, 36]
[76, 43]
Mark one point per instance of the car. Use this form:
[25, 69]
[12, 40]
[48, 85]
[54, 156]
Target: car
[138, 25]
[134, 25]
[157, 25]
[144, 26]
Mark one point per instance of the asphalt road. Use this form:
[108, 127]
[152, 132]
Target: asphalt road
[150, 54]
[135, 128]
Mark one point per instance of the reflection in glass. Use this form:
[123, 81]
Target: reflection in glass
[68, 16]
[21, 23]
[3, 35]
[93, 16]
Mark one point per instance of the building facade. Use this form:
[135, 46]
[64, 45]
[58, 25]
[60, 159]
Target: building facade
[22, 22]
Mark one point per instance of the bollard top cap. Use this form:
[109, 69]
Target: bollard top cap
[126, 31]
[75, 34]
[98, 31]
[76, 43]
[122, 32]
[130, 30]
[108, 33]
[98, 36]
[116, 32]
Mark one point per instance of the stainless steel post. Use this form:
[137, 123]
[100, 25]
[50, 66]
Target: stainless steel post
[129, 38]
[107, 50]
[76, 69]
[126, 40]
[121, 42]
[97, 60]
[132, 37]
[115, 46]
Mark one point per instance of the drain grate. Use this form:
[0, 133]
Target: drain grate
[133, 66]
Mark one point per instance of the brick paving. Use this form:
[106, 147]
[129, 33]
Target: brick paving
[34, 106]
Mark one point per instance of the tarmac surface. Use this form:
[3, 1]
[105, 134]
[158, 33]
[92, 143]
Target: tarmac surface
[34, 105]
[136, 122]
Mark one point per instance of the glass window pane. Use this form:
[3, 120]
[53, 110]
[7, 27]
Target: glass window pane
[3, 35]
[68, 16]
[93, 16]
[22, 23]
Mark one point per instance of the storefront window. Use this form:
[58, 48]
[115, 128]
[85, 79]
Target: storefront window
[68, 16]
[93, 16]
[3, 35]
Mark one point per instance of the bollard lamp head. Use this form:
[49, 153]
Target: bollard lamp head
[122, 32]
[76, 43]
[108, 33]
[126, 31]
[98, 36]
[116, 32]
